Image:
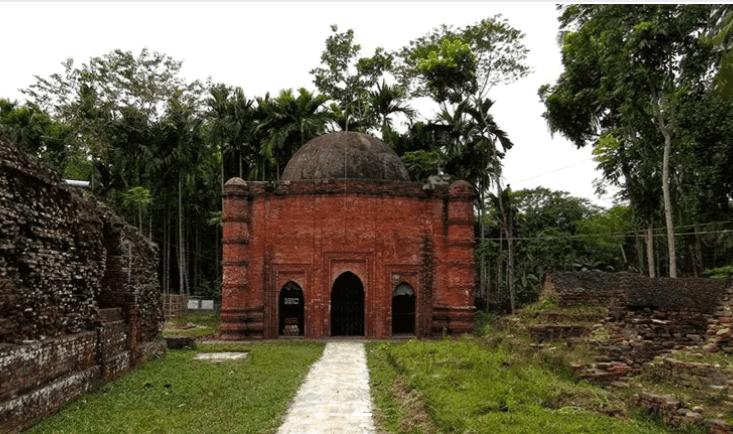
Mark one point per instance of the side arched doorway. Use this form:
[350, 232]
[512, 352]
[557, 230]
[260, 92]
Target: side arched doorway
[403, 310]
[291, 308]
[347, 306]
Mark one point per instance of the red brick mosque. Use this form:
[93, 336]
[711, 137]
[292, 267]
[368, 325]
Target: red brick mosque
[345, 245]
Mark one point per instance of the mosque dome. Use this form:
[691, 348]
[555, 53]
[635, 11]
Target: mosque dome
[364, 157]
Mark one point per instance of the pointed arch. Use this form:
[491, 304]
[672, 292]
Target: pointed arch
[403, 309]
[347, 306]
[291, 309]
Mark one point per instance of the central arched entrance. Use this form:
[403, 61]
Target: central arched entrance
[347, 306]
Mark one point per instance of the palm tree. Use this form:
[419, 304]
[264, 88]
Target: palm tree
[386, 101]
[233, 118]
[289, 122]
[181, 139]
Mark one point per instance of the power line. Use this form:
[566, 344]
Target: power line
[554, 171]
[613, 235]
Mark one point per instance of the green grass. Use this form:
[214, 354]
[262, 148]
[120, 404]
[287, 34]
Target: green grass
[720, 360]
[176, 394]
[467, 387]
[398, 409]
[204, 325]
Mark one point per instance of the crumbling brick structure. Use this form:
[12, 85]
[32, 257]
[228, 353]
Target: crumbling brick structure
[79, 292]
[345, 244]
[647, 317]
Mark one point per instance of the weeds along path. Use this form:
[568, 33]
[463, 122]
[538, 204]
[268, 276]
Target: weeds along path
[335, 395]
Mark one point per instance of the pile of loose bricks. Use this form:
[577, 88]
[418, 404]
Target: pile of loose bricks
[648, 322]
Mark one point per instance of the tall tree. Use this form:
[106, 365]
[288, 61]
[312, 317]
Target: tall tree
[457, 67]
[89, 97]
[627, 66]
[289, 122]
[181, 133]
[452, 63]
[346, 79]
[232, 123]
[39, 135]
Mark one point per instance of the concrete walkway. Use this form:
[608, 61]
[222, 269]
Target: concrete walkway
[335, 395]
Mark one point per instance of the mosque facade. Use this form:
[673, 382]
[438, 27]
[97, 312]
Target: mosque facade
[345, 245]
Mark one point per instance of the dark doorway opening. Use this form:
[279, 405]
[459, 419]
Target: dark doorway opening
[292, 310]
[403, 310]
[347, 306]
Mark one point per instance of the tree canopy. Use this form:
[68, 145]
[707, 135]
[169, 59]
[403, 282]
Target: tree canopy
[630, 72]
[645, 85]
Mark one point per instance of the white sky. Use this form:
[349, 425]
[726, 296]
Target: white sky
[271, 46]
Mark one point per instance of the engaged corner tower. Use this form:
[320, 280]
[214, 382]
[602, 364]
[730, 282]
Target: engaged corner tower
[346, 245]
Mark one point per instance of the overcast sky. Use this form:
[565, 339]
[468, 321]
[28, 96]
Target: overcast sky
[271, 46]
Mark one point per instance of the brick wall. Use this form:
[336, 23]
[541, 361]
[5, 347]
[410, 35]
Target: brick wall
[580, 289]
[311, 232]
[79, 293]
[648, 317]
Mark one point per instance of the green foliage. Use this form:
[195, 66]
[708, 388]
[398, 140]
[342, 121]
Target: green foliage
[637, 84]
[31, 129]
[178, 394]
[720, 272]
[288, 122]
[137, 196]
[449, 69]
[347, 80]
[496, 56]
[484, 322]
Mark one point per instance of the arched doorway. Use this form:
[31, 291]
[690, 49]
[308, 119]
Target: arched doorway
[291, 309]
[403, 310]
[347, 306]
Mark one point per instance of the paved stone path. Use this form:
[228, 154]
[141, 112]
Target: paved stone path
[335, 395]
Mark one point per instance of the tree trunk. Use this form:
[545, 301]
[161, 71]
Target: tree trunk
[699, 266]
[500, 266]
[623, 254]
[639, 251]
[181, 247]
[166, 253]
[510, 263]
[482, 258]
[668, 202]
[196, 256]
[650, 250]
[506, 225]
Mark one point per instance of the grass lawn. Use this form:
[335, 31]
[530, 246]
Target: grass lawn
[176, 394]
[195, 325]
[464, 387]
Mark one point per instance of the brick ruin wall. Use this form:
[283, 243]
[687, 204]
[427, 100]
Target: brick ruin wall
[79, 293]
[647, 317]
